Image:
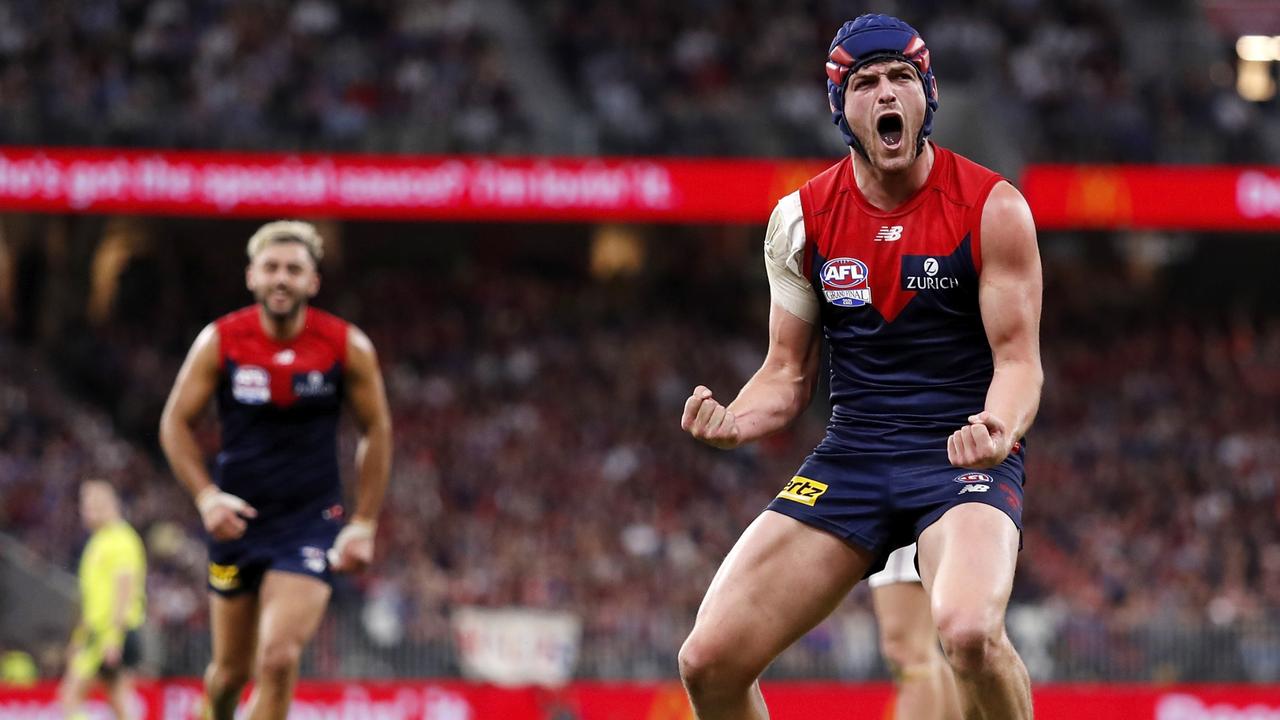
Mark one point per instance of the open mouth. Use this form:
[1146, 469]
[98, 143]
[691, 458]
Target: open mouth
[889, 128]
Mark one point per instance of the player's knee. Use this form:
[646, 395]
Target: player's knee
[221, 679]
[695, 662]
[279, 660]
[905, 651]
[708, 667]
[68, 695]
[970, 640]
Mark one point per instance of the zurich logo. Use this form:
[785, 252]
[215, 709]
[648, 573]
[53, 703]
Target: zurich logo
[312, 384]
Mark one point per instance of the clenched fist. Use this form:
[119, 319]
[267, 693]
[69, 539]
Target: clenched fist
[223, 514]
[352, 550]
[709, 421]
[983, 443]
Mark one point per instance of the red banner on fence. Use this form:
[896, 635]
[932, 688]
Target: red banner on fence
[470, 188]
[452, 700]
[1066, 197]
[394, 187]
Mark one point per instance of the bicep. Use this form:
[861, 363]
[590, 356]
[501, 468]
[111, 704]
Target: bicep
[793, 341]
[197, 379]
[1011, 286]
[366, 394]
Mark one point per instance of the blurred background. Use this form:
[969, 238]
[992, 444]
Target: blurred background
[537, 363]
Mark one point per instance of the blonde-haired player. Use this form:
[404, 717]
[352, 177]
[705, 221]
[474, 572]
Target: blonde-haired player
[281, 372]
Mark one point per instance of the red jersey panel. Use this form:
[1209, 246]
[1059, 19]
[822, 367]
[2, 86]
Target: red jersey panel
[898, 291]
[279, 404]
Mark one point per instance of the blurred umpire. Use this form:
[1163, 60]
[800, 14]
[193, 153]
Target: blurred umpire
[113, 569]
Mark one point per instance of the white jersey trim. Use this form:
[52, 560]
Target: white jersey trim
[783, 255]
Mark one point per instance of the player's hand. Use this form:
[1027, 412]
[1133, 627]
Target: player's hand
[983, 443]
[352, 551]
[223, 514]
[709, 421]
[111, 654]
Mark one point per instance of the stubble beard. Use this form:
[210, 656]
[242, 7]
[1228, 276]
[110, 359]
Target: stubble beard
[878, 160]
[281, 317]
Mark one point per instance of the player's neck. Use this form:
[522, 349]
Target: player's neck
[888, 190]
[282, 329]
[104, 522]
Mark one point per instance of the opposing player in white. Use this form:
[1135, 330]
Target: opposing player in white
[924, 684]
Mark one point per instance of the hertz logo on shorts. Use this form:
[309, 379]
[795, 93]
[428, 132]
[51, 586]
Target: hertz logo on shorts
[224, 577]
[803, 490]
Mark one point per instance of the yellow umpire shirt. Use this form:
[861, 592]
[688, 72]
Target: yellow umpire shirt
[112, 550]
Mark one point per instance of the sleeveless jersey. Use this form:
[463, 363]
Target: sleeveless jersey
[898, 292]
[279, 404]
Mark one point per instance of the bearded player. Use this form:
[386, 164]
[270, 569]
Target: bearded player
[273, 509]
[920, 268]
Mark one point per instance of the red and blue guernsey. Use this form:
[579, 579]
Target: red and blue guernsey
[279, 404]
[896, 293]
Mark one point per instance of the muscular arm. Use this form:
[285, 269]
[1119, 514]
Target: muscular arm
[368, 401]
[773, 397]
[1009, 294]
[123, 591]
[191, 392]
[783, 386]
[125, 582]
[222, 514]
[353, 548]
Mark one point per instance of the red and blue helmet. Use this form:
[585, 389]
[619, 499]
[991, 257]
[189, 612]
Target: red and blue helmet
[874, 38]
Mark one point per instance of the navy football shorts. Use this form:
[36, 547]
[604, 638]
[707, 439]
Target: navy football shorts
[300, 547]
[883, 501]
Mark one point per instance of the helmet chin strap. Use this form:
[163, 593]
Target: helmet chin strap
[858, 147]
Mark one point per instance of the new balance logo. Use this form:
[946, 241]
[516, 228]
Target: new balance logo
[889, 233]
[973, 489]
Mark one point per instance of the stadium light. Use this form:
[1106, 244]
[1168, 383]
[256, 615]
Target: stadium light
[1258, 48]
[1254, 81]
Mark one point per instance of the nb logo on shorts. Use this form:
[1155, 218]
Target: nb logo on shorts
[224, 577]
[974, 489]
[803, 490]
[313, 559]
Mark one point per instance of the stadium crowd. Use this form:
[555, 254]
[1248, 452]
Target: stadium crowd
[539, 463]
[704, 78]
[252, 75]
[733, 78]
[538, 459]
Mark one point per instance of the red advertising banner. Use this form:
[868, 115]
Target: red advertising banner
[470, 188]
[1066, 197]
[396, 187]
[453, 700]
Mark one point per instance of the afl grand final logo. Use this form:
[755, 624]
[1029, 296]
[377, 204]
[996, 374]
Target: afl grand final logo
[251, 385]
[844, 282]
